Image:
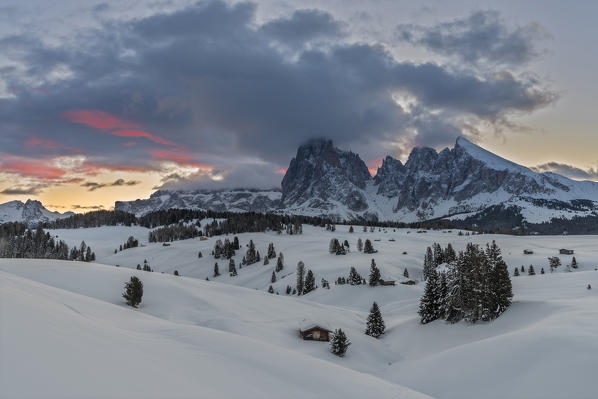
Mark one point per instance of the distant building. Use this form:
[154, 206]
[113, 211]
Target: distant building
[310, 331]
[528, 251]
[566, 252]
[202, 238]
[386, 282]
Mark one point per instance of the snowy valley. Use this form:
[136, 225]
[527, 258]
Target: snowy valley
[229, 337]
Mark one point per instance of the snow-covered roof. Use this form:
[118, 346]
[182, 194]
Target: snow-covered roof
[308, 324]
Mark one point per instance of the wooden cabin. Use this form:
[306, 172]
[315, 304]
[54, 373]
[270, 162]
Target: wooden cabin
[203, 238]
[528, 252]
[566, 252]
[314, 332]
[386, 282]
[408, 282]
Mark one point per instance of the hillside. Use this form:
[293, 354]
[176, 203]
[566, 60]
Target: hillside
[553, 320]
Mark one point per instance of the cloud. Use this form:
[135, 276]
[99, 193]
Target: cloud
[88, 207]
[93, 186]
[21, 191]
[569, 171]
[204, 87]
[481, 38]
[302, 26]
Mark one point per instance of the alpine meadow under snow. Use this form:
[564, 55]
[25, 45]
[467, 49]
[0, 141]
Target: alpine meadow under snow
[229, 337]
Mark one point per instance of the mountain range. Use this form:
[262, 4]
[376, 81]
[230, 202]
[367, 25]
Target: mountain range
[30, 212]
[465, 183]
[455, 183]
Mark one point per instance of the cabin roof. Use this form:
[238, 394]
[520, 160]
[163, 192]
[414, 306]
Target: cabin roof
[308, 324]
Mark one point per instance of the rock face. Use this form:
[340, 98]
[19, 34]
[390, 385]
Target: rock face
[323, 180]
[322, 177]
[30, 212]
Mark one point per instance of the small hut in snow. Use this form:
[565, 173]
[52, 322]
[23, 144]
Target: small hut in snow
[314, 331]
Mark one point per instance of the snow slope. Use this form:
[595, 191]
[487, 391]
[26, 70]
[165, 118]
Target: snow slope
[544, 346]
[177, 345]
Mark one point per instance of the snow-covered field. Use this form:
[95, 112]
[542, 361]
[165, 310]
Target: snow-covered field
[66, 332]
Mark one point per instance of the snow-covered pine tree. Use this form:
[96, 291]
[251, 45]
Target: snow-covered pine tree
[300, 277]
[359, 245]
[273, 278]
[216, 271]
[354, 277]
[542, 271]
[574, 263]
[531, 271]
[271, 290]
[429, 305]
[280, 263]
[310, 282]
[339, 343]
[516, 272]
[429, 265]
[453, 303]
[271, 251]
[374, 274]
[332, 245]
[406, 273]
[500, 283]
[133, 291]
[375, 324]
[232, 268]
[351, 229]
[368, 248]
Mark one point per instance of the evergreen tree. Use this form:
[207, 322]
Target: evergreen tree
[375, 324]
[332, 245]
[310, 282]
[429, 306]
[232, 269]
[200, 255]
[280, 262]
[449, 254]
[339, 343]
[271, 290]
[216, 271]
[574, 263]
[176, 272]
[300, 277]
[266, 261]
[359, 245]
[351, 229]
[368, 248]
[500, 287]
[453, 304]
[516, 272]
[374, 274]
[531, 271]
[542, 271]
[138, 266]
[236, 243]
[271, 251]
[429, 265]
[406, 273]
[554, 262]
[354, 277]
[273, 278]
[438, 254]
[133, 291]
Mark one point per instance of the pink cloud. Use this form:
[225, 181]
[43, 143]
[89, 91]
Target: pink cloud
[98, 119]
[40, 169]
[139, 133]
[49, 144]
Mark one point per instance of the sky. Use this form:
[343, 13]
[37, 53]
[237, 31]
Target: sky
[112, 100]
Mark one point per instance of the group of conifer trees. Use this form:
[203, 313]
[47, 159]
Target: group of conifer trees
[474, 286]
[16, 241]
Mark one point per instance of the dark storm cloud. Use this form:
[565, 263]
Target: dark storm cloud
[568, 171]
[303, 26]
[482, 37]
[207, 79]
